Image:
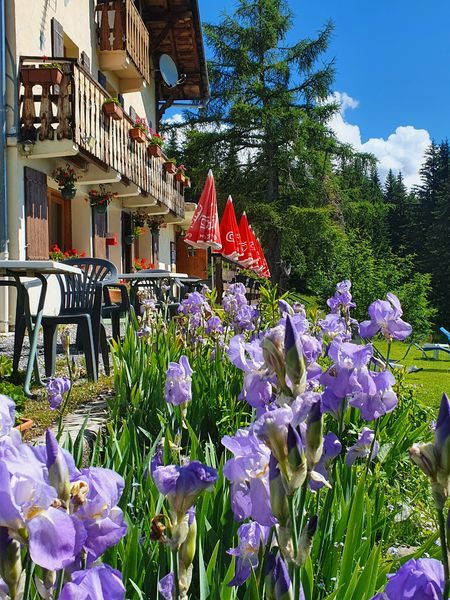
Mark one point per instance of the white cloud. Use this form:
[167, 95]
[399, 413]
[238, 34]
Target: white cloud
[402, 151]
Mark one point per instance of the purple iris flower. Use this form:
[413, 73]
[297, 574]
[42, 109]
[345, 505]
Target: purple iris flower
[377, 397]
[214, 326]
[245, 356]
[385, 317]
[362, 447]
[248, 472]
[332, 447]
[257, 390]
[95, 512]
[183, 485]
[299, 321]
[245, 318]
[334, 325]
[234, 300]
[284, 307]
[26, 505]
[101, 582]
[422, 578]
[299, 309]
[56, 387]
[278, 580]
[178, 388]
[194, 303]
[7, 414]
[251, 537]
[166, 586]
[341, 301]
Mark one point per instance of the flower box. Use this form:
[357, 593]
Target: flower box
[111, 239]
[154, 150]
[138, 135]
[41, 75]
[180, 176]
[187, 182]
[113, 110]
[170, 167]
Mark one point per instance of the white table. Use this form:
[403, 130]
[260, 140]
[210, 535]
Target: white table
[39, 269]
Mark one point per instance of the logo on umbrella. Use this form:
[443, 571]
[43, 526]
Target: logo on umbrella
[230, 236]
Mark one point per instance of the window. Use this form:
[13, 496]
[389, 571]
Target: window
[59, 221]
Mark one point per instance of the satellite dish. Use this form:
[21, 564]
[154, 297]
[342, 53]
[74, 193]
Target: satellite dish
[169, 71]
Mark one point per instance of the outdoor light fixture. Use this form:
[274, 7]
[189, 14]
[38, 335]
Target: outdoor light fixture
[26, 148]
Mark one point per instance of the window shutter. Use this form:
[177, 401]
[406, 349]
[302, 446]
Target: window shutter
[121, 100]
[57, 39]
[36, 214]
[85, 62]
[133, 115]
[101, 78]
[99, 230]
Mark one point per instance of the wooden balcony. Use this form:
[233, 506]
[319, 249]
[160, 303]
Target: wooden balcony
[67, 120]
[123, 44]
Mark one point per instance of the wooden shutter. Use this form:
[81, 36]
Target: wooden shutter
[86, 62]
[101, 78]
[36, 214]
[133, 114]
[57, 38]
[99, 231]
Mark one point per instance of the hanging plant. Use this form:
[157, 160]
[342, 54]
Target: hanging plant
[155, 223]
[66, 178]
[101, 199]
[139, 218]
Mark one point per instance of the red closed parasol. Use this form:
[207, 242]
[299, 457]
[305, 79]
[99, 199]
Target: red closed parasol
[204, 231]
[265, 271]
[229, 233]
[247, 259]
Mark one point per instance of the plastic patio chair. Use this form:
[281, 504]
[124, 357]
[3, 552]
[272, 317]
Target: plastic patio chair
[81, 304]
[445, 332]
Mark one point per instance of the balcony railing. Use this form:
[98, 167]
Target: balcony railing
[122, 34]
[73, 111]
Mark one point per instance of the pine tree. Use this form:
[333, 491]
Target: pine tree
[396, 196]
[267, 99]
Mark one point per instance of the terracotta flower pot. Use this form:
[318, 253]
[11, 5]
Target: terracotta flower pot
[187, 182]
[41, 76]
[113, 110]
[138, 135]
[170, 167]
[24, 425]
[154, 150]
[180, 176]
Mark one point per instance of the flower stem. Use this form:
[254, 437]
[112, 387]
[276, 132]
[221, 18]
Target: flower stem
[444, 551]
[175, 574]
[372, 445]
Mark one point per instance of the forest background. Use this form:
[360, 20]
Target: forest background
[318, 205]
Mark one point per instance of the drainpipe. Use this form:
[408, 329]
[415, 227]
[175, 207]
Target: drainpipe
[3, 194]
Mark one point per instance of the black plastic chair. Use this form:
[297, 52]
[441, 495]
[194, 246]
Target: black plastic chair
[82, 304]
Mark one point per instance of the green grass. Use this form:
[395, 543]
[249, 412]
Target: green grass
[434, 378]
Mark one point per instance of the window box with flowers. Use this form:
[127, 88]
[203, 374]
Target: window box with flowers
[113, 109]
[43, 74]
[170, 166]
[101, 199]
[66, 178]
[180, 175]
[58, 255]
[139, 132]
[139, 264]
[155, 146]
[187, 182]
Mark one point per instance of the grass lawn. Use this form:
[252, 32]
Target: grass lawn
[434, 378]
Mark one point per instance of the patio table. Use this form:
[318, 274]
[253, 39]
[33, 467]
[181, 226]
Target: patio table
[156, 276]
[38, 269]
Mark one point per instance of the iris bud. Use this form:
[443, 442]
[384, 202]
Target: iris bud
[58, 472]
[306, 539]
[314, 435]
[295, 362]
[442, 435]
[10, 562]
[296, 459]
[273, 353]
[278, 498]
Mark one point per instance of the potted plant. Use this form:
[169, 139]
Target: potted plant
[171, 165]
[101, 199]
[180, 174]
[140, 264]
[155, 146]
[113, 109]
[44, 74]
[58, 255]
[139, 218]
[132, 237]
[66, 178]
[187, 182]
[139, 131]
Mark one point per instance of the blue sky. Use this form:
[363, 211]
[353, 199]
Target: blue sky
[392, 71]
